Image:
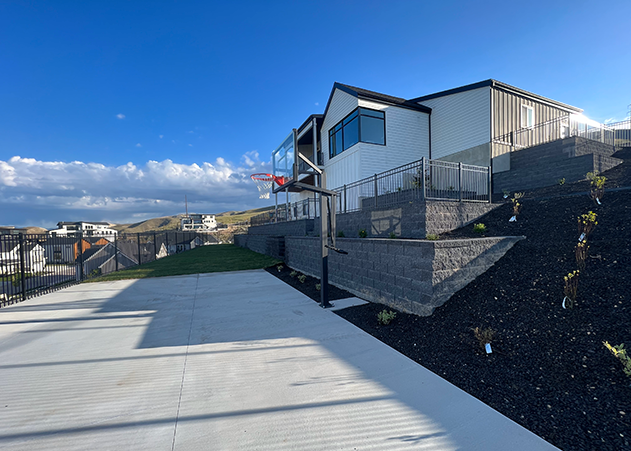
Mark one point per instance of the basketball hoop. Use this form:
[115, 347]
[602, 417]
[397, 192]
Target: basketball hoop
[264, 183]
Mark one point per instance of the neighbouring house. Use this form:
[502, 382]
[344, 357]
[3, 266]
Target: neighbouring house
[103, 259]
[186, 244]
[10, 230]
[198, 222]
[34, 258]
[489, 123]
[65, 250]
[84, 228]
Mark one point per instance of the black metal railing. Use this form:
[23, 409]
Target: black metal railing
[621, 133]
[558, 128]
[31, 265]
[422, 179]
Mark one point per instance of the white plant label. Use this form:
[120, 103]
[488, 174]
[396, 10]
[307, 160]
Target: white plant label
[488, 348]
[513, 219]
[564, 302]
[582, 237]
[505, 196]
[598, 201]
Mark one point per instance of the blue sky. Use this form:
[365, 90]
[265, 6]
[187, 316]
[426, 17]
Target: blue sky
[117, 109]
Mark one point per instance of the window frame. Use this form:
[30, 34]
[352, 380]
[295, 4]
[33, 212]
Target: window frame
[339, 128]
[525, 110]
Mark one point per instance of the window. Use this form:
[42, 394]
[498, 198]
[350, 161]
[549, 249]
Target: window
[527, 116]
[362, 125]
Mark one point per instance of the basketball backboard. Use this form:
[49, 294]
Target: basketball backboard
[283, 161]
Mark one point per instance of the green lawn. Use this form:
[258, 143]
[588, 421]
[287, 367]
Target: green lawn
[215, 258]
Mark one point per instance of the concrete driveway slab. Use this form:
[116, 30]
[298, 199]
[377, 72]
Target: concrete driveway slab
[225, 361]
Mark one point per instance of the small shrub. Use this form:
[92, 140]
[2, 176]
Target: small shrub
[483, 336]
[621, 354]
[432, 237]
[597, 186]
[318, 286]
[280, 268]
[570, 289]
[302, 278]
[385, 317]
[399, 189]
[340, 234]
[293, 273]
[586, 224]
[363, 233]
[392, 235]
[506, 193]
[479, 228]
[516, 203]
[581, 255]
[561, 181]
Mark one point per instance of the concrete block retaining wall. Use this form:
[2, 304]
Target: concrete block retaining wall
[274, 246]
[545, 165]
[414, 276]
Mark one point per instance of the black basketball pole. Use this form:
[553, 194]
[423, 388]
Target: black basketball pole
[324, 236]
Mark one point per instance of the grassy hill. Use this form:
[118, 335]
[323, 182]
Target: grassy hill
[173, 222]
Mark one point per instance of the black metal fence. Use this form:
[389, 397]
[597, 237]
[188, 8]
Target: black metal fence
[31, 265]
[422, 179]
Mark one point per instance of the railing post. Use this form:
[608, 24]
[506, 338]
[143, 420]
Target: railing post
[22, 269]
[80, 248]
[155, 246]
[139, 256]
[490, 182]
[166, 237]
[423, 169]
[375, 181]
[344, 198]
[460, 179]
[116, 250]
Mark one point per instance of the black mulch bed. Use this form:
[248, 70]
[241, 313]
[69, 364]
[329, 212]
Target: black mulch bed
[549, 370]
[309, 286]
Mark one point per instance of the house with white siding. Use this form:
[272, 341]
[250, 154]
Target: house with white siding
[363, 133]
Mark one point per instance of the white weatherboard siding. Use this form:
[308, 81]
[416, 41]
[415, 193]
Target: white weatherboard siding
[460, 121]
[345, 167]
[407, 139]
[341, 105]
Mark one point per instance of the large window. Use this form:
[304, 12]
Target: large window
[362, 125]
[527, 116]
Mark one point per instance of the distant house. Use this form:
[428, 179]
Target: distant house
[34, 259]
[10, 230]
[64, 250]
[103, 259]
[198, 222]
[191, 243]
[97, 229]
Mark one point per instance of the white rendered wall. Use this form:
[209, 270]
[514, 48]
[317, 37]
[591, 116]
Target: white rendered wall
[460, 121]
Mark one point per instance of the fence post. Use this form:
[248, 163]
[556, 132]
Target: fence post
[490, 183]
[423, 169]
[166, 237]
[116, 250]
[344, 198]
[139, 255]
[460, 179]
[22, 269]
[376, 192]
[80, 248]
[155, 246]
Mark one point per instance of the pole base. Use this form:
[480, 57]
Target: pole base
[327, 305]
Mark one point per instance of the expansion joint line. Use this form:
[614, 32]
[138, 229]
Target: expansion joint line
[188, 344]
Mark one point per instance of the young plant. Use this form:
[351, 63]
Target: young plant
[385, 317]
[280, 268]
[570, 289]
[392, 235]
[318, 286]
[484, 336]
[516, 205]
[597, 186]
[621, 354]
[293, 273]
[479, 228]
[581, 254]
[363, 233]
[432, 237]
[340, 234]
[561, 181]
[586, 224]
[302, 278]
[506, 193]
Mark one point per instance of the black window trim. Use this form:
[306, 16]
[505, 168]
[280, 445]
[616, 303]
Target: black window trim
[340, 124]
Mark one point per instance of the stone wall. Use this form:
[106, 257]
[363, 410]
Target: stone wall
[545, 165]
[414, 276]
[301, 227]
[274, 246]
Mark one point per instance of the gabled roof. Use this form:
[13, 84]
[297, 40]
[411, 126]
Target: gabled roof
[361, 93]
[499, 85]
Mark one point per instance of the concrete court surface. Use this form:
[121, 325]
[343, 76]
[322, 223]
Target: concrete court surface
[224, 361]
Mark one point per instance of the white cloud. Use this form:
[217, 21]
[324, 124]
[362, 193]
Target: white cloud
[46, 192]
[317, 103]
[161, 136]
[120, 116]
[138, 145]
[190, 145]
